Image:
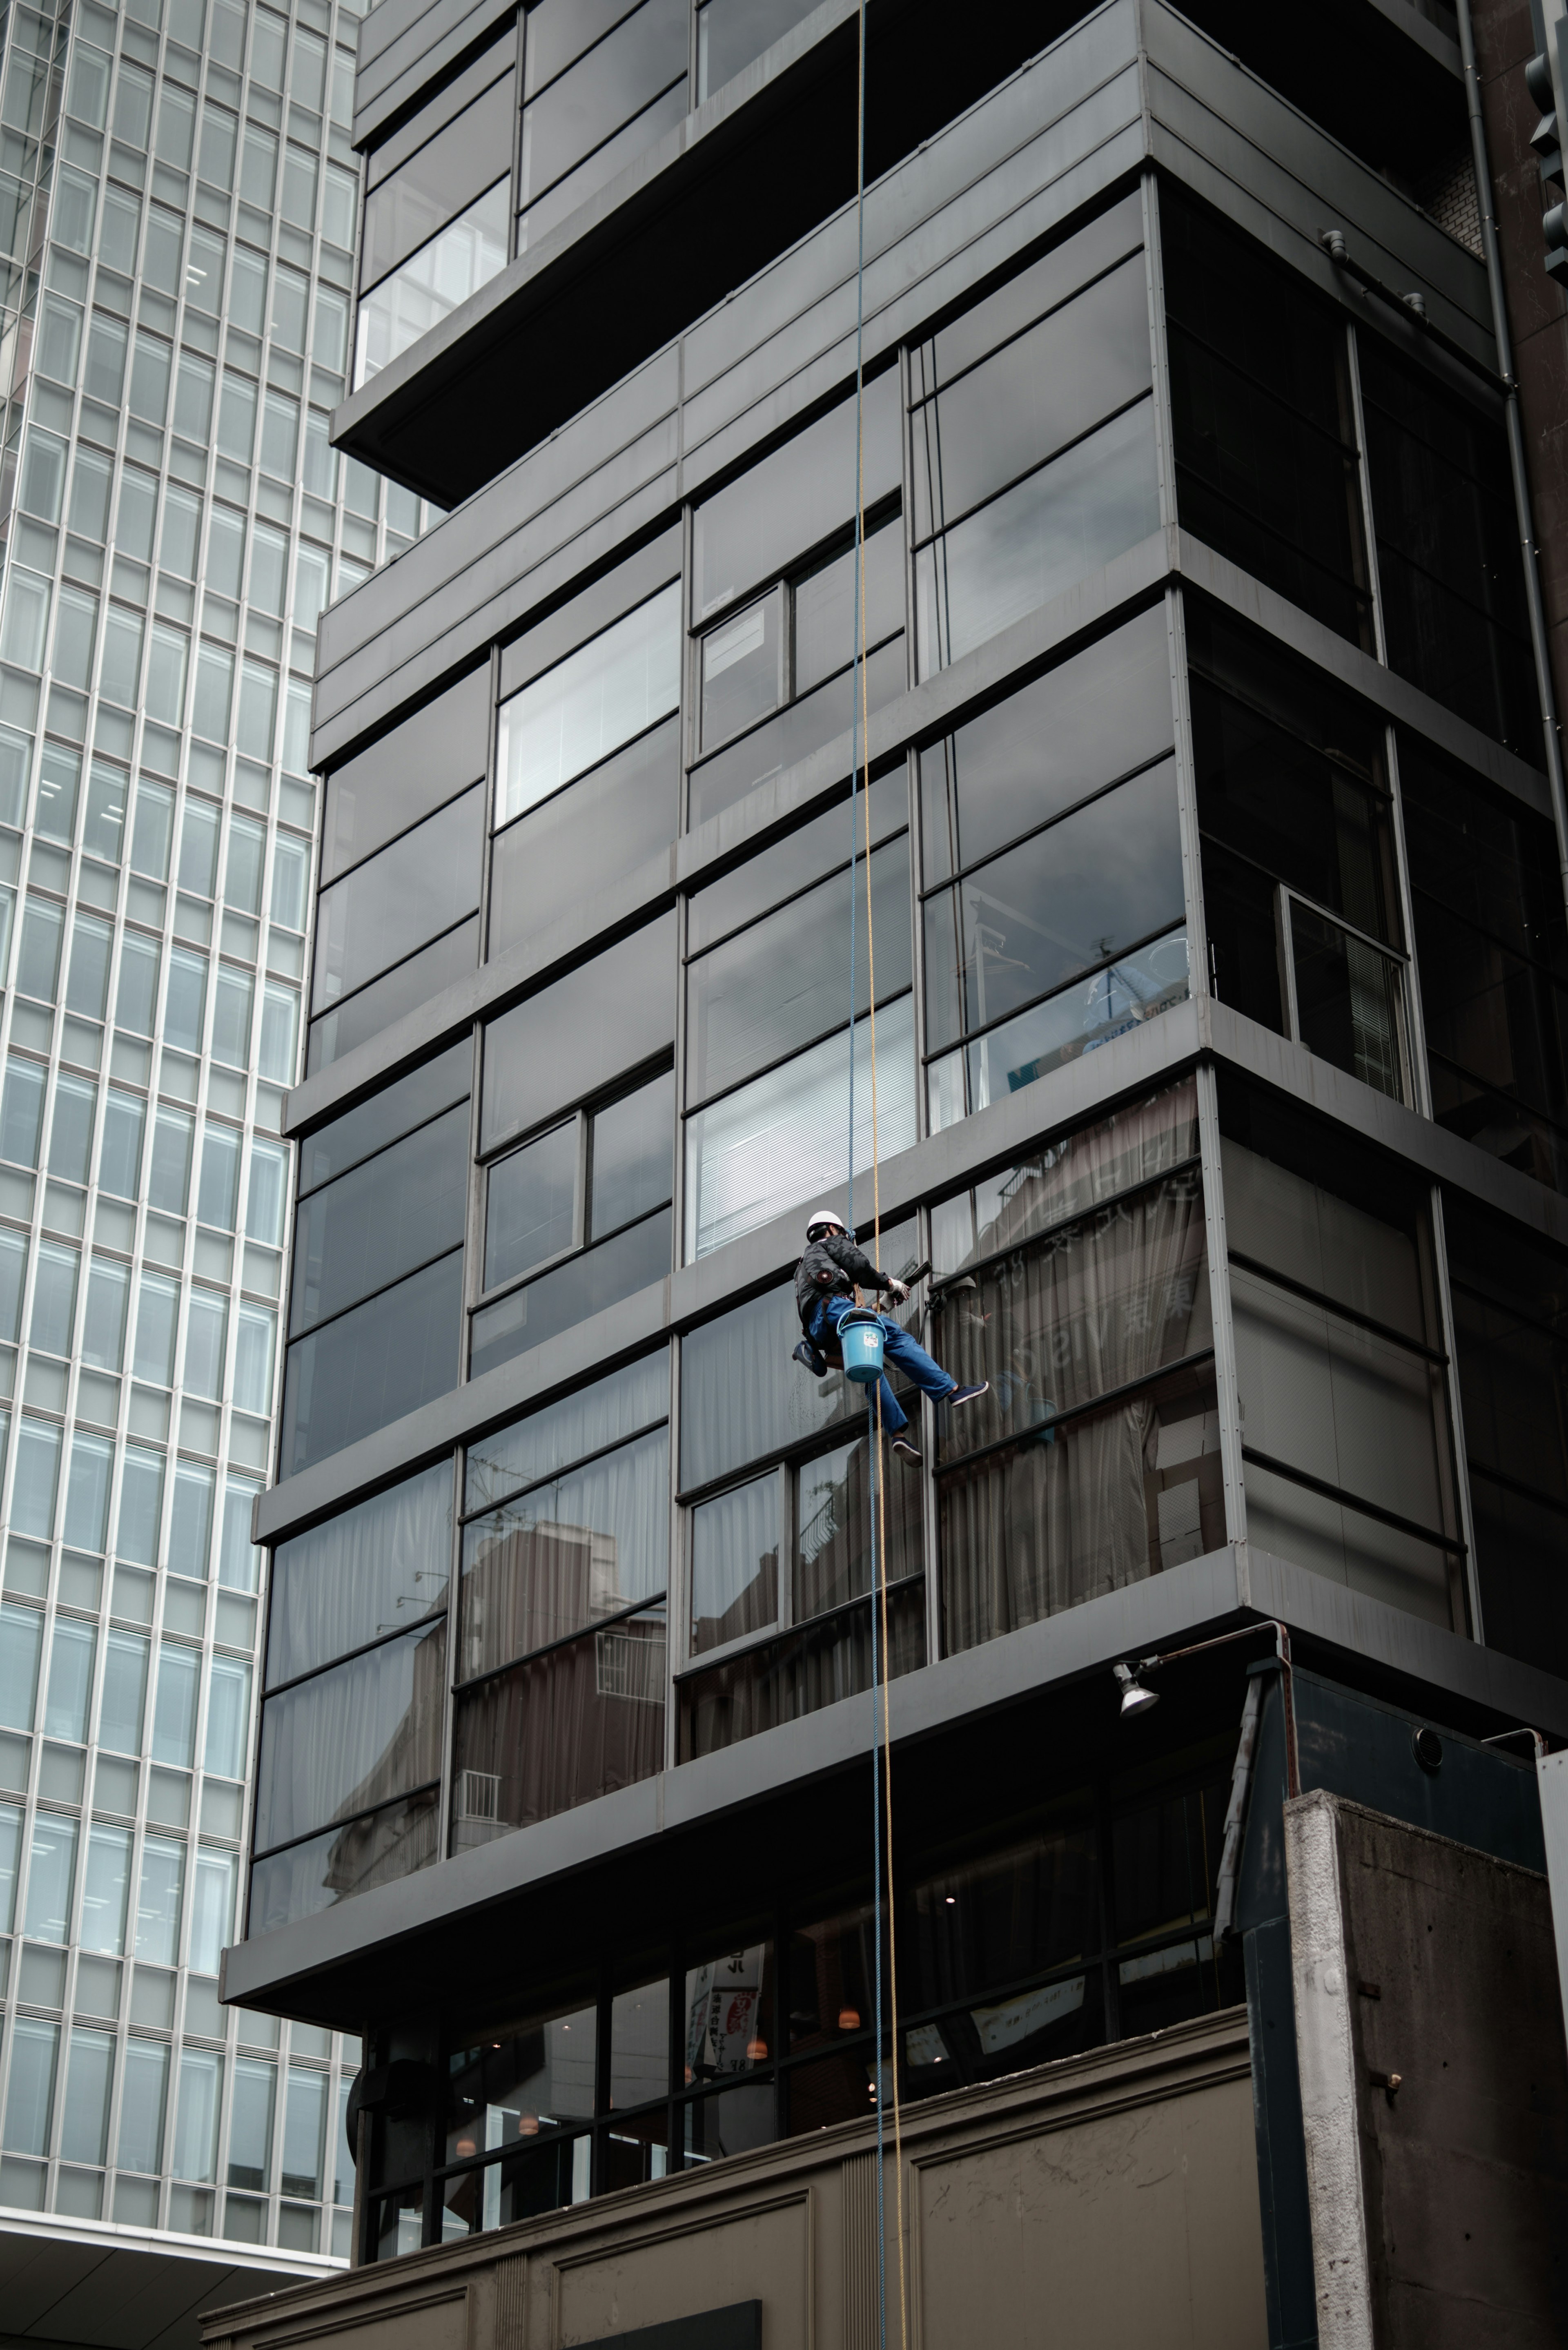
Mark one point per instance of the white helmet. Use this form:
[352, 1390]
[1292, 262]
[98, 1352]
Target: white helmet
[824, 1220]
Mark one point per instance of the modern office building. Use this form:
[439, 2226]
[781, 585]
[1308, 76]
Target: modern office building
[1196, 944]
[178, 196]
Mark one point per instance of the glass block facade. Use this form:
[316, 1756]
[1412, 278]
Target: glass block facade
[177, 199]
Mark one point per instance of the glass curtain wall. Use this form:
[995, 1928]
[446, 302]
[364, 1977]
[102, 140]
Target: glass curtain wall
[174, 524]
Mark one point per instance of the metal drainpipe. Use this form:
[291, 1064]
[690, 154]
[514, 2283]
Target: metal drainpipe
[1515, 441]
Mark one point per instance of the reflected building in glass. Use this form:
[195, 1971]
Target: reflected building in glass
[1192, 953]
[179, 197]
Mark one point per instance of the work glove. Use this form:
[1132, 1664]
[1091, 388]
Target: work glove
[897, 1291]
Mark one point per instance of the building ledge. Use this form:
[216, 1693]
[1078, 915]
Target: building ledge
[90, 2282]
[334, 1968]
[744, 177]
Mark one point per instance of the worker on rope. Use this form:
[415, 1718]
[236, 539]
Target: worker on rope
[826, 1281]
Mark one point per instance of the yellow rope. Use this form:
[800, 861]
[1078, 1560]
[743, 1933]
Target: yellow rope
[880, 1557]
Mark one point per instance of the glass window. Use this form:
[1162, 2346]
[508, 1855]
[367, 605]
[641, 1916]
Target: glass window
[84, 2125]
[774, 1143]
[370, 1572]
[106, 1890]
[30, 2096]
[70, 1132]
[575, 1036]
[1018, 473]
[1450, 572]
[1065, 1499]
[158, 1901]
[442, 178]
[195, 2148]
[1510, 1330]
[1265, 439]
[21, 1642]
[632, 83]
[251, 2108]
[351, 1737]
[73, 1653]
[735, 1564]
[781, 983]
[1300, 888]
[144, 2092]
[531, 1204]
[373, 1364]
[124, 1701]
[1343, 1397]
[518, 2078]
[86, 1493]
[755, 528]
[609, 822]
[1494, 959]
[374, 1850]
[577, 713]
[377, 1221]
[431, 283]
[592, 1543]
[51, 1878]
[54, 1297]
[411, 891]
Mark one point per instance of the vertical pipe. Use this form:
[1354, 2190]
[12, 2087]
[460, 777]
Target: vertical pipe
[1515, 444]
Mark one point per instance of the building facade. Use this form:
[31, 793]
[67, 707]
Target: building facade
[179, 198]
[1183, 984]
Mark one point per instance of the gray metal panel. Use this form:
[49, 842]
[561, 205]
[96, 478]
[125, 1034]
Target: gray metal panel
[919, 714]
[1150, 1055]
[1306, 182]
[1127, 1065]
[1045, 142]
[913, 717]
[411, 53]
[1225, 1586]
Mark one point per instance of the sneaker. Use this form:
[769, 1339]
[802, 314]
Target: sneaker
[968, 1395]
[909, 1448]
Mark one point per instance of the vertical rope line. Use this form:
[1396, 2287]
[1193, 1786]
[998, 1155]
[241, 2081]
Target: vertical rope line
[873, 1401]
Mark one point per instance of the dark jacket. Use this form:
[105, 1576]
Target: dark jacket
[833, 1268]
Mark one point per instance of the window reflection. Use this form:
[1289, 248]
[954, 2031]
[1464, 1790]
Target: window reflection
[1493, 955]
[1342, 1392]
[527, 2077]
[1262, 404]
[1034, 455]
[735, 1564]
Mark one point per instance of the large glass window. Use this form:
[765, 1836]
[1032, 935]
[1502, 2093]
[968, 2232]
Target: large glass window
[590, 109]
[1261, 399]
[418, 195]
[774, 595]
[1450, 575]
[561, 1643]
[1510, 1335]
[771, 995]
[376, 1306]
[1076, 1283]
[579, 1217]
[1301, 895]
[1493, 953]
[1033, 438]
[365, 1575]
[587, 769]
[786, 1547]
[1053, 905]
[1339, 1362]
[1090, 1919]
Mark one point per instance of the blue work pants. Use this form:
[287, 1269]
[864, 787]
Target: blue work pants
[899, 1347]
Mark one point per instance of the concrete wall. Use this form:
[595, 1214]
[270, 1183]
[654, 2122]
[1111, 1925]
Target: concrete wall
[1110, 2199]
[1439, 2206]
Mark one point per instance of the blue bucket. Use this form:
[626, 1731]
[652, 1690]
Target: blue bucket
[860, 1336]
